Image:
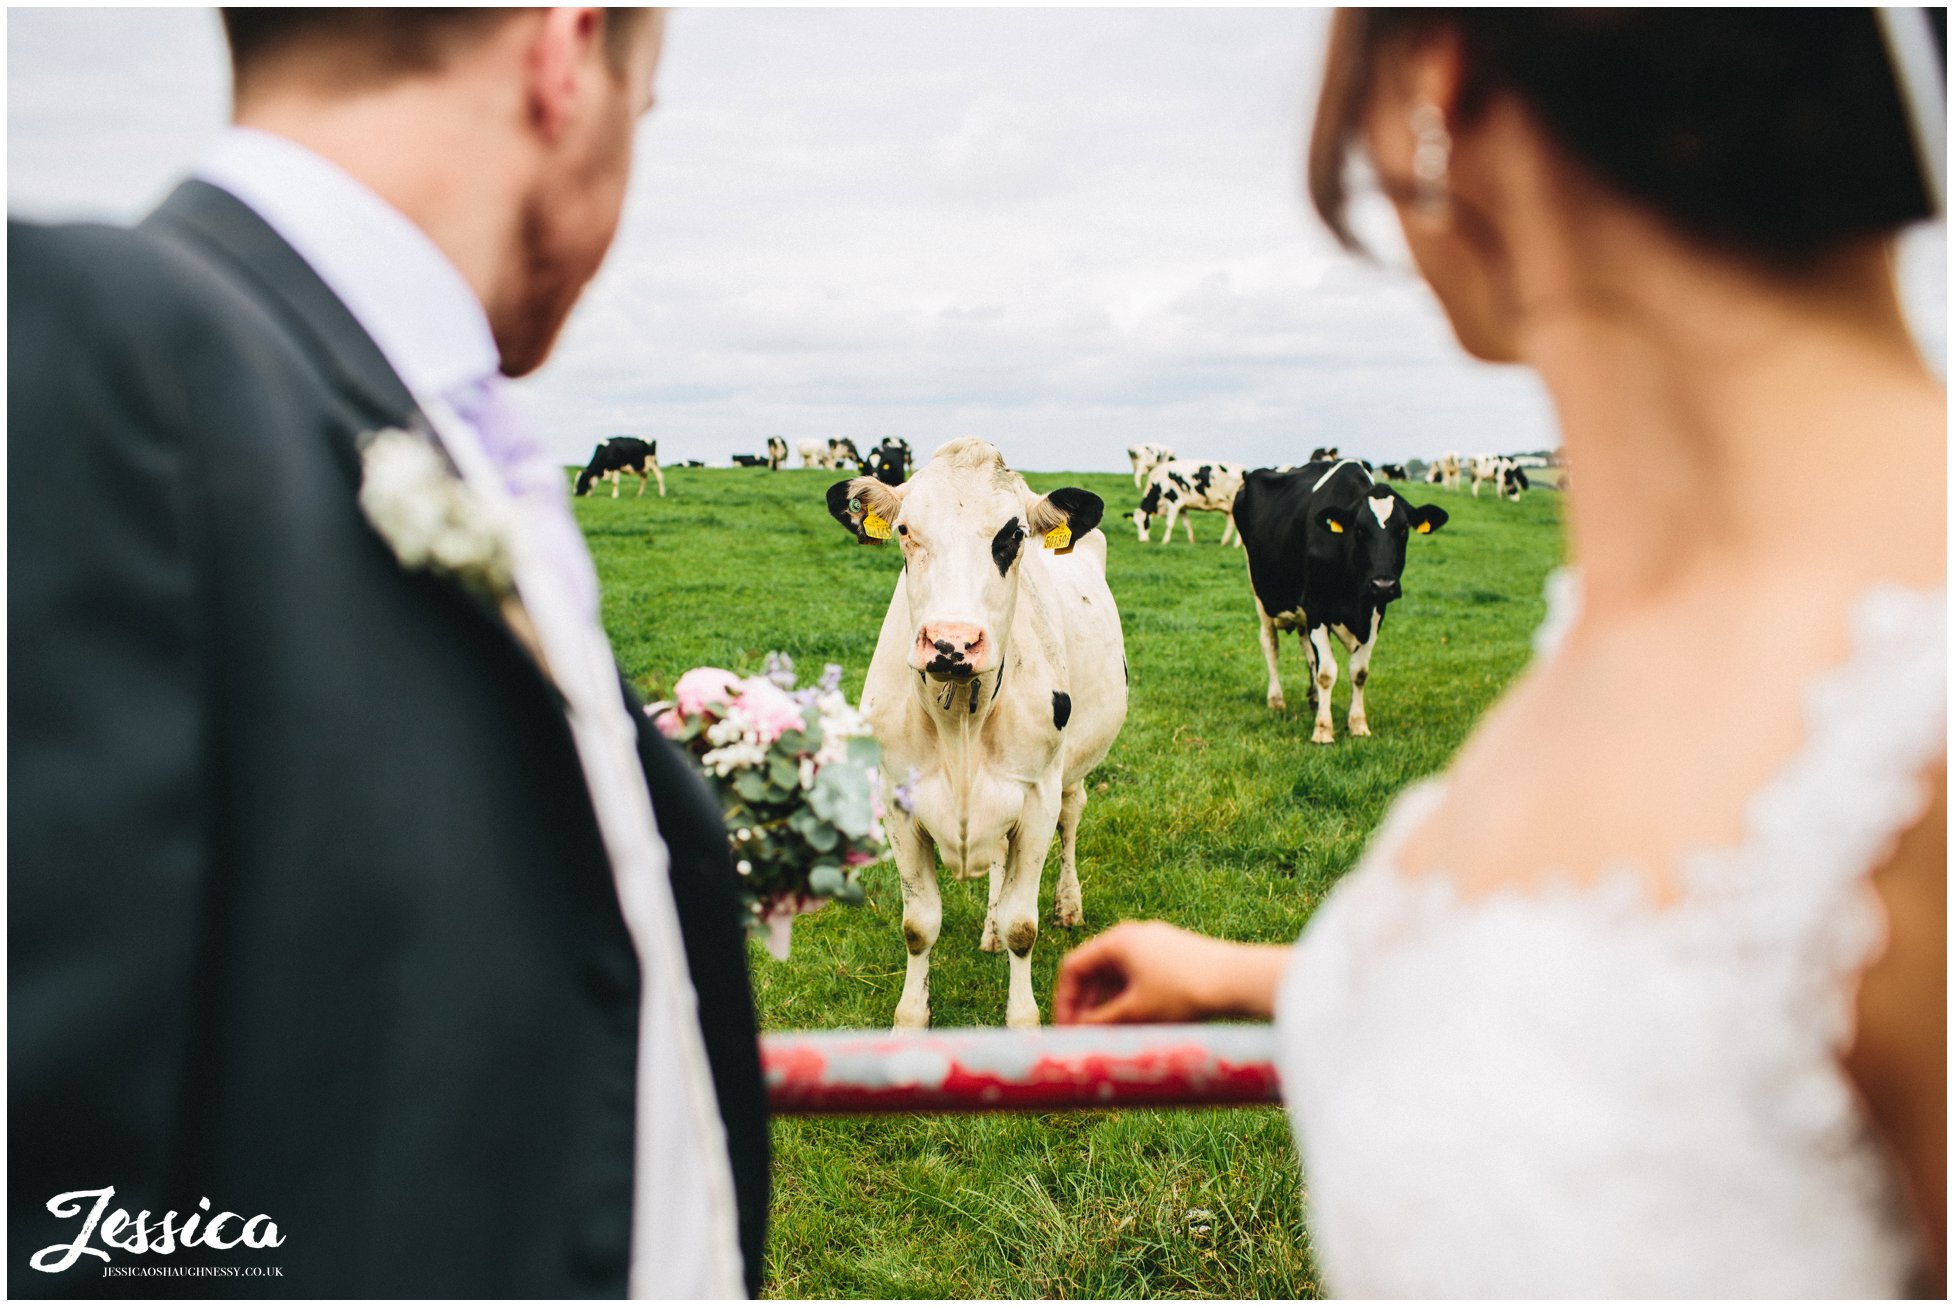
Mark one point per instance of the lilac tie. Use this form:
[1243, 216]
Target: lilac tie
[535, 481]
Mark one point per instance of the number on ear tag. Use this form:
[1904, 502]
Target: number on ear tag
[874, 526]
[1336, 527]
[1059, 538]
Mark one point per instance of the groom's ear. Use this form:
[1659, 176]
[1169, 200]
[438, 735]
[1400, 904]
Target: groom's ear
[867, 507]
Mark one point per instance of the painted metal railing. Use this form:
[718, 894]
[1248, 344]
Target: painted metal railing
[1049, 1070]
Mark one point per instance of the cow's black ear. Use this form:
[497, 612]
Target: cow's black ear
[1082, 508]
[1428, 518]
[1335, 520]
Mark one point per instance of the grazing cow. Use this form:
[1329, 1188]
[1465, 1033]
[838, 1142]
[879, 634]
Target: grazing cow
[750, 460]
[1187, 486]
[1326, 549]
[1145, 458]
[693, 462]
[888, 462]
[814, 453]
[615, 457]
[1444, 471]
[776, 453]
[1393, 472]
[1505, 475]
[998, 683]
[842, 452]
[1327, 454]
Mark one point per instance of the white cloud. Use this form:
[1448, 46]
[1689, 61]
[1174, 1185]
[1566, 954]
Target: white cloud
[1064, 230]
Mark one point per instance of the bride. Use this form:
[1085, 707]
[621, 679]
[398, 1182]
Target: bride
[1645, 995]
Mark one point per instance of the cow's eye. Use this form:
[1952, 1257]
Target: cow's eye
[902, 529]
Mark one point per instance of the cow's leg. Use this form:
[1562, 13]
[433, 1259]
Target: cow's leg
[992, 941]
[658, 476]
[1069, 908]
[1228, 529]
[1189, 524]
[1325, 677]
[617, 480]
[644, 478]
[1141, 525]
[1017, 906]
[1271, 641]
[1173, 516]
[922, 919]
[1360, 671]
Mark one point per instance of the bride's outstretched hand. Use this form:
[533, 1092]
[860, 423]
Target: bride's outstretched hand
[1147, 971]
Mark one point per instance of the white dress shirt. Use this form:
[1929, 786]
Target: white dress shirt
[432, 329]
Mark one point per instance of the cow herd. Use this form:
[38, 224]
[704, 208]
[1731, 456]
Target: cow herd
[999, 679]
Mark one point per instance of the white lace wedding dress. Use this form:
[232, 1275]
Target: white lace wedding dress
[1576, 1093]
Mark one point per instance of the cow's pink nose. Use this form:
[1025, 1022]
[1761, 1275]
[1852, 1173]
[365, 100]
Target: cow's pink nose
[952, 649]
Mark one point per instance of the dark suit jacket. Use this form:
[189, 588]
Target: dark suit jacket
[309, 913]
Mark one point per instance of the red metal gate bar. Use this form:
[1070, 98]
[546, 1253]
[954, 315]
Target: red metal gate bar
[811, 1072]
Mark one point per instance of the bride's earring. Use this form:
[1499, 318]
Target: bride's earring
[1431, 160]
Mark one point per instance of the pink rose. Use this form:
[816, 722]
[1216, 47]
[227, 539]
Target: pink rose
[669, 723]
[702, 686]
[769, 709]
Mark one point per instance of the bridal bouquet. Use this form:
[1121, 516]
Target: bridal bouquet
[796, 775]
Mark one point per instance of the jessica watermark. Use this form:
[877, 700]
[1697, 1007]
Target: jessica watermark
[137, 1234]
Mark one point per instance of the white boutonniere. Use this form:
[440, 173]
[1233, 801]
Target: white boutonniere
[429, 517]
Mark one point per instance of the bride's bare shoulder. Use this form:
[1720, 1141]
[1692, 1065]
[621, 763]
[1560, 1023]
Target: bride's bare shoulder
[1640, 741]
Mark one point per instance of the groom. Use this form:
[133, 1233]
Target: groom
[348, 894]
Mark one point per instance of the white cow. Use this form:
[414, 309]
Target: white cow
[1145, 458]
[1502, 472]
[1189, 486]
[1444, 471]
[814, 453]
[998, 683]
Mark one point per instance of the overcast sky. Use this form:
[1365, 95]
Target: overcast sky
[1065, 231]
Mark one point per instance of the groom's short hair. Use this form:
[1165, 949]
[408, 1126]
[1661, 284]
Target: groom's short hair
[367, 47]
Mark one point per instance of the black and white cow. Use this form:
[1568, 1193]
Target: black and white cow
[1187, 486]
[776, 453]
[1393, 472]
[888, 462]
[1145, 458]
[617, 456]
[1508, 480]
[1325, 454]
[998, 684]
[842, 452]
[750, 460]
[1326, 550]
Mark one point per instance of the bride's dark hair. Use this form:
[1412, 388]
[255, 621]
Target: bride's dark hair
[1773, 134]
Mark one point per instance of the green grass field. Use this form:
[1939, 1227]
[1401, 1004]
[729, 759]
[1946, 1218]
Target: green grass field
[1211, 812]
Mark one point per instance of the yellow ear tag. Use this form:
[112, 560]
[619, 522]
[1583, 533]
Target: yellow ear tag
[1059, 538]
[874, 526]
[1424, 528]
[1336, 527]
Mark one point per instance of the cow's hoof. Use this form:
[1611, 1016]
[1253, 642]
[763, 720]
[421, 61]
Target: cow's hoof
[1323, 735]
[1360, 728]
[912, 1018]
[1276, 703]
[1069, 914]
[1023, 1020]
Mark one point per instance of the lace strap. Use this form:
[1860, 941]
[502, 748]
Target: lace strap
[1874, 725]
